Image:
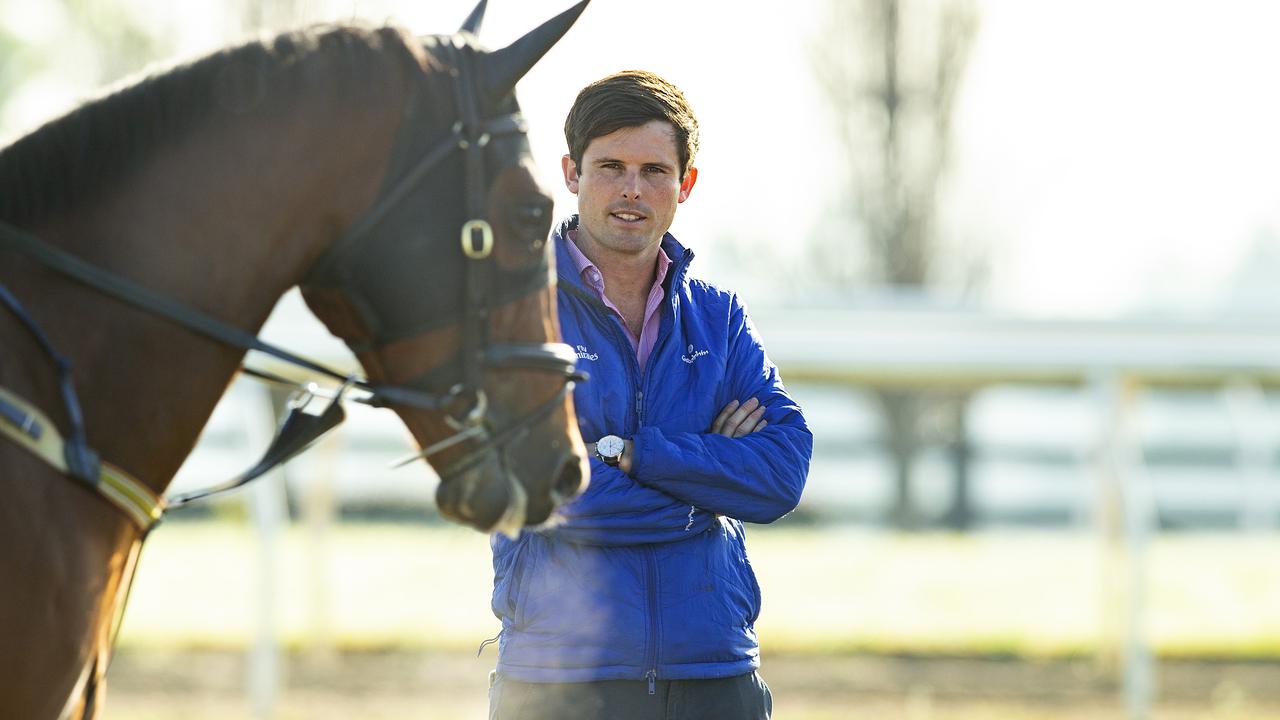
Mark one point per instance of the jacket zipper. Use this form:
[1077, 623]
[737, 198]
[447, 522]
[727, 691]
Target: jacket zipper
[651, 563]
[651, 649]
[676, 278]
[642, 378]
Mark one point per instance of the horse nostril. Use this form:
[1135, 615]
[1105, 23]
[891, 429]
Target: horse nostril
[449, 500]
[474, 499]
[569, 479]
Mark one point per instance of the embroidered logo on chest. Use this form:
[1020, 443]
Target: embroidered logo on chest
[584, 355]
[694, 355]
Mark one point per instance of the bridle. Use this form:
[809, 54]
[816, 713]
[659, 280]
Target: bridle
[463, 403]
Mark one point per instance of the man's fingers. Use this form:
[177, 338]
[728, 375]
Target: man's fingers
[739, 419]
[717, 427]
[751, 423]
[732, 426]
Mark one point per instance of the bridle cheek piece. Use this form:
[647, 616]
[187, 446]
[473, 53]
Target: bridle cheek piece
[465, 405]
[74, 456]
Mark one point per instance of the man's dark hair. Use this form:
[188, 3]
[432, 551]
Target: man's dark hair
[629, 99]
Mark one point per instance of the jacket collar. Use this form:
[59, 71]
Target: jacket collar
[566, 268]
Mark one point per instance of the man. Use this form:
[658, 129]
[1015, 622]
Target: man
[640, 602]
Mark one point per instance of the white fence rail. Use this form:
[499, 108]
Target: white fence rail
[1114, 363]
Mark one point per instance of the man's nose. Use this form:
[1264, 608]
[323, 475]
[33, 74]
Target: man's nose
[631, 186]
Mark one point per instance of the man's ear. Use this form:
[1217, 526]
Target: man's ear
[686, 185]
[570, 169]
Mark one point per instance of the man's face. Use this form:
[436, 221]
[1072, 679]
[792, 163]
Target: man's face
[628, 188]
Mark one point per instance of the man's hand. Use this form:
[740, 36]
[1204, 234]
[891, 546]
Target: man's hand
[738, 419]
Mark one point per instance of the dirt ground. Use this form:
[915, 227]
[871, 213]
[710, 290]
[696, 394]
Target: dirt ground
[451, 686]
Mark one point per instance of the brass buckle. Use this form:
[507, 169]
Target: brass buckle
[468, 237]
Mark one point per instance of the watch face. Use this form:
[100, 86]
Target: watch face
[609, 446]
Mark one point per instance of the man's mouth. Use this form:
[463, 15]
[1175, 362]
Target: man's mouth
[627, 216]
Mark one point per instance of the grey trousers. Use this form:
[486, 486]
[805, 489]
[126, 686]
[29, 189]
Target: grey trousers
[744, 697]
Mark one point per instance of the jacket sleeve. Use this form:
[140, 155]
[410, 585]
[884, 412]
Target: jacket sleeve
[617, 510]
[755, 478]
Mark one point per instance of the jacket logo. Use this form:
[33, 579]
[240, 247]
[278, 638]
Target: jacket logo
[584, 355]
[694, 355]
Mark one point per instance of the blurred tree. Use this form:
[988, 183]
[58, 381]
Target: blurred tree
[18, 61]
[12, 63]
[123, 37]
[890, 70]
[79, 44]
[88, 44]
[275, 15]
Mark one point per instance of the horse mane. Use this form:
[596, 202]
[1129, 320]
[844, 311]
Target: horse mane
[71, 159]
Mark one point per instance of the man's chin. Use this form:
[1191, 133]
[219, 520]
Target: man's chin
[634, 242]
[614, 238]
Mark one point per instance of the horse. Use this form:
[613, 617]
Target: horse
[148, 234]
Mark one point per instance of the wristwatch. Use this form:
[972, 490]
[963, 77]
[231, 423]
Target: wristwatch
[609, 449]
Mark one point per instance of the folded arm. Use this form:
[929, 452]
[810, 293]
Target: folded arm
[617, 510]
[756, 475]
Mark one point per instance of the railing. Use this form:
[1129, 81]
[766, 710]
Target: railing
[1114, 361]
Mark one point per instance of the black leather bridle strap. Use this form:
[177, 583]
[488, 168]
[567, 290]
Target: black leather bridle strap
[297, 432]
[510, 434]
[491, 442]
[82, 462]
[407, 183]
[152, 302]
[470, 134]
[475, 324]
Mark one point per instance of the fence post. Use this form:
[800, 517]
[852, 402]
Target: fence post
[1255, 452]
[319, 508]
[268, 512]
[1126, 518]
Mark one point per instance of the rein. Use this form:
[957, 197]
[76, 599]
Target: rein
[25, 424]
[74, 457]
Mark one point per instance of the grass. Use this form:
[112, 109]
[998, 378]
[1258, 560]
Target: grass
[421, 593]
[1021, 594]
[1024, 594]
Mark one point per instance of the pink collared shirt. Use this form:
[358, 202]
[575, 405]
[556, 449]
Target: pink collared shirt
[593, 279]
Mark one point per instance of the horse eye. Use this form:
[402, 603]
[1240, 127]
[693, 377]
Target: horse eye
[532, 213]
[532, 220]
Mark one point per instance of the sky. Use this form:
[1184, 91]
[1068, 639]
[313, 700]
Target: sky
[1115, 157]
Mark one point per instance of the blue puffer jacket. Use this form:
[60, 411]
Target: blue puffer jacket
[647, 574]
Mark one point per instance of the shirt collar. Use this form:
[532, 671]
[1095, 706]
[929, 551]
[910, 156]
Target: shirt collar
[591, 275]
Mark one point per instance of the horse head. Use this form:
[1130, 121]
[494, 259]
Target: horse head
[446, 286]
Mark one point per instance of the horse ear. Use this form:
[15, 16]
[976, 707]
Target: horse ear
[503, 68]
[472, 23]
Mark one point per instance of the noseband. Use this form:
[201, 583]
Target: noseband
[464, 403]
